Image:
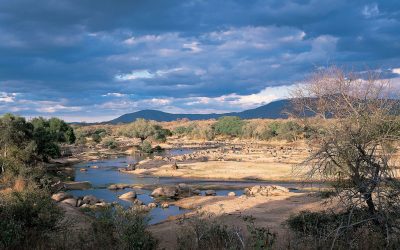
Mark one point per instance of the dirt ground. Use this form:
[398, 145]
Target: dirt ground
[270, 212]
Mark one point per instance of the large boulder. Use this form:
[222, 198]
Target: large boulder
[271, 190]
[131, 195]
[90, 199]
[131, 167]
[166, 192]
[210, 193]
[70, 201]
[118, 186]
[77, 185]
[61, 196]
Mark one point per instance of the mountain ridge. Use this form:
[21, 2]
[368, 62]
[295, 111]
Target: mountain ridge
[272, 110]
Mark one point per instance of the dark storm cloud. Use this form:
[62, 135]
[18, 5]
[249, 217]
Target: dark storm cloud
[81, 59]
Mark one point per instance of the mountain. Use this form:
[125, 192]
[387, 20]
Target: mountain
[273, 110]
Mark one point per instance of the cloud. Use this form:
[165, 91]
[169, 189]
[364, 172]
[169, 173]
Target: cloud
[88, 61]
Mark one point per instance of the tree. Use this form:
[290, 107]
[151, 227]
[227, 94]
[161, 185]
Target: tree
[229, 125]
[144, 129]
[356, 151]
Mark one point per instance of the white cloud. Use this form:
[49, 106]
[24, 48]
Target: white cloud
[370, 10]
[142, 74]
[396, 71]
[114, 94]
[7, 97]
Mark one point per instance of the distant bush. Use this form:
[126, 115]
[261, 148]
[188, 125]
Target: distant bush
[27, 218]
[144, 129]
[290, 131]
[110, 143]
[146, 147]
[229, 125]
[96, 138]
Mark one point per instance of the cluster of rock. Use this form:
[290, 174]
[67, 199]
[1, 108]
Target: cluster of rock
[85, 201]
[181, 190]
[271, 190]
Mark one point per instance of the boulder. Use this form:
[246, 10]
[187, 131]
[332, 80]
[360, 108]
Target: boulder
[131, 167]
[61, 196]
[196, 192]
[271, 190]
[138, 202]
[152, 205]
[164, 205]
[166, 192]
[70, 201]
[95, 167]
[210, 192]
[131, 195]
[118, 186]
[231, 194]
[90, 199]
[77, 185]
[83, 170]
[79, 203]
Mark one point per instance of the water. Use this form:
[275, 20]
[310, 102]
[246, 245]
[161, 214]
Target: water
[108, 173]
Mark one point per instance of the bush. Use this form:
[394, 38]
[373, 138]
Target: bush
[229, 125]
[96, 138]
[146, 147]
[110, 143]
[208, 232]
[27, 218]
[117, 228]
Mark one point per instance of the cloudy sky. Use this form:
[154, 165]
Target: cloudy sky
[92, 60]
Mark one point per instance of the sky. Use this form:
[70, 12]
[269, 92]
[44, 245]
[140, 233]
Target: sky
[93, 60]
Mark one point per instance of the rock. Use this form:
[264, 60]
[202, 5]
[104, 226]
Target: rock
[83, 170]
[79, 203]
[128, 196]
[138, 202]
[61, 196]
[167, 192]
[77, 185]
[184, 188]
[70, 201]
[196, 192]
[90, 199]
[271, 190]
[164, 205]
[94, 167]
[131, 167]
[118, 186]
[158, 158]
[210, 192]
[101, 204]
[152, 205]
[231, 194]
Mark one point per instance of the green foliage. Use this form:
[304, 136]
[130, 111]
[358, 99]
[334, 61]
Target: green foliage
[96, 138]
[289, 131]
[110, 143]
[229, 125]
[208, 232]
[27, 217]
[117, 228]
[144, 129]
[146, 147]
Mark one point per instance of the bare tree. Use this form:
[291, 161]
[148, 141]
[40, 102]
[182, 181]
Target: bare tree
[356, 151]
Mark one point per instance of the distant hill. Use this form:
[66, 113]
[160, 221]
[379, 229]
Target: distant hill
[273, 110]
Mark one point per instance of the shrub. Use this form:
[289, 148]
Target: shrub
[290, 131]
[229, 125]
[146, 147]
[96, 138]
[117, 228]
[208, 232]
[110, 143]
[27, 218]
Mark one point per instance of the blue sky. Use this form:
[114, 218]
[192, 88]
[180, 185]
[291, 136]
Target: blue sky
[94, 60]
